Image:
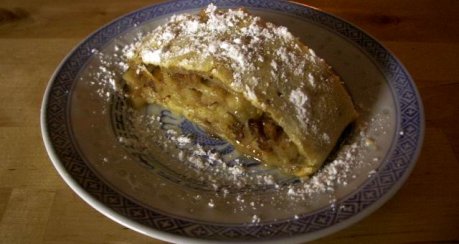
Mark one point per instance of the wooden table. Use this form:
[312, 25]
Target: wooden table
[37, 207]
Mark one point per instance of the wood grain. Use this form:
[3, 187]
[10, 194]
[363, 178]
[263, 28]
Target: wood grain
[37, 207]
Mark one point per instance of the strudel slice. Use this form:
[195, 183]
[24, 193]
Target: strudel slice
[247, 81]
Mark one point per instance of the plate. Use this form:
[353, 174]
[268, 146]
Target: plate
[161, 175]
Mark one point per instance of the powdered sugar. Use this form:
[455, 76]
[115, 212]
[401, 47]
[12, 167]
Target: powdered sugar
[244, 50]
[281, 31]
[234, 53]
[105, 75]
[151, 57]
[250, 93]
[229, 185]
[299, 100]
[311, 79]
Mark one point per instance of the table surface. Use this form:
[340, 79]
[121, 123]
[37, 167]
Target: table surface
[36, 206]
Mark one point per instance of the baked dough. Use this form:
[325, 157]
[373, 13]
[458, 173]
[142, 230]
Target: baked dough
[245, 80]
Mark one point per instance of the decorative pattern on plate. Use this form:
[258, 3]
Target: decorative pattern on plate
[390, 175]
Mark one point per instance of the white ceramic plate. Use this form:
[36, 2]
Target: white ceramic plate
[100, 148]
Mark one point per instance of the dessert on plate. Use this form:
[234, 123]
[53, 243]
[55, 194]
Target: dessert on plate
[247, 81]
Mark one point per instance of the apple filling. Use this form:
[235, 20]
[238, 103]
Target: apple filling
[221, 112]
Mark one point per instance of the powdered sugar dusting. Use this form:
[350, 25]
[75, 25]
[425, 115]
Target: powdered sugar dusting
[311, 79]
[208, 37]
[212, 169]
[299, 100]
[151, 57]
